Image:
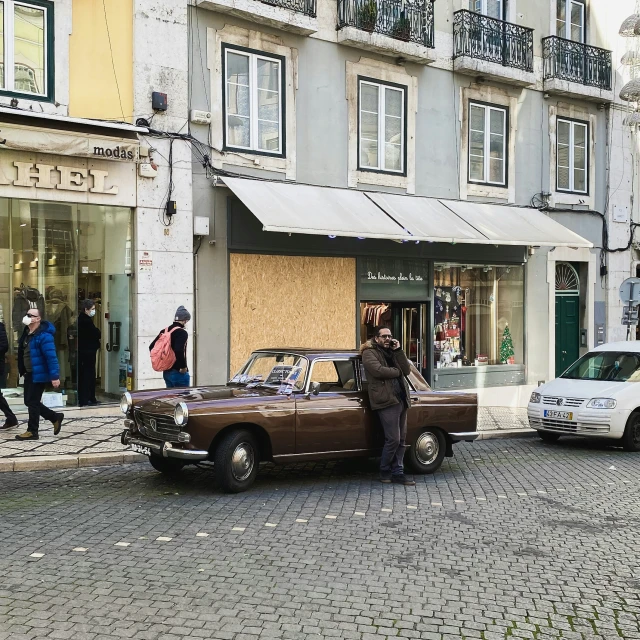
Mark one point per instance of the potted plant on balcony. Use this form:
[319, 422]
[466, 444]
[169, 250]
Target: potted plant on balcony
[402, 28]
[368, 15]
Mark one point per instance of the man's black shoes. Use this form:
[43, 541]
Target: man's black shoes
[402, 479]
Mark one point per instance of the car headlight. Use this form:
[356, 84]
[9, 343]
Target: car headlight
[602, 403]
[181, 414]
[126, 403]
[535, 397]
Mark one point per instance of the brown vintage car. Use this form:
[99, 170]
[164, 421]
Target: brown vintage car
[289, 405]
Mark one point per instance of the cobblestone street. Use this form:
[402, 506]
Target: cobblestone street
[512, 538]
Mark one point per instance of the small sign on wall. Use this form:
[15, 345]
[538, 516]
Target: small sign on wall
[146, 261]
[620, 213]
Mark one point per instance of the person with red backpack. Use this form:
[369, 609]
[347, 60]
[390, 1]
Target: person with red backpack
[169, 351]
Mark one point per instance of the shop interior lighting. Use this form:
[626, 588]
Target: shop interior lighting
[332, 237]
[631, 119]
[631, 91]
[24, 224]
[630, 26]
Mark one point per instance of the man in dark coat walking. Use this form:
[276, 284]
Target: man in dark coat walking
[10, 417]
[88, 345]
[386, 366]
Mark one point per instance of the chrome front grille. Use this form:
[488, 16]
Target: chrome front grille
[566, 402]
[559, 425]
[157, 427]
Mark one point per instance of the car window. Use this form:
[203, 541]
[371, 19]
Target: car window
[333, 376]
[614, 366]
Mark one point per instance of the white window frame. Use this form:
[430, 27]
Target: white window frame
[567, 25]
[572, 125]
[484, 8]
[9, 52]
[487, 144]
[253, 58]
[382, 89]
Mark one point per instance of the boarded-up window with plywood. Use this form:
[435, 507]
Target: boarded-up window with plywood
[285, 301]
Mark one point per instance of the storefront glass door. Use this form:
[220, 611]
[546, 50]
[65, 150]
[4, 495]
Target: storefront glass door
[53, 257]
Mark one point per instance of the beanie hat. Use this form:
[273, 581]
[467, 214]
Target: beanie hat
[182, 315]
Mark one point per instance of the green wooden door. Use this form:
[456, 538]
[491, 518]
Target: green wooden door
[567, 331]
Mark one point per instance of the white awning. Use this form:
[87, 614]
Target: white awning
[297, 208]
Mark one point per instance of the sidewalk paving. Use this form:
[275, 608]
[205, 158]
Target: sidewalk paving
[91, 437]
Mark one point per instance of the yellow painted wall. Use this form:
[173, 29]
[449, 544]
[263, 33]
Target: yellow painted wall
[93, 92]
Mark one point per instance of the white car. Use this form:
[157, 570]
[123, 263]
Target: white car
[597, 396]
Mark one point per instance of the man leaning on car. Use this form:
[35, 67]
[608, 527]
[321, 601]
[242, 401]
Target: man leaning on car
[386, 366]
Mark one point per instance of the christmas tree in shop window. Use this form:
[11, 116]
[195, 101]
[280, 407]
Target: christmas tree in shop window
[506, 348]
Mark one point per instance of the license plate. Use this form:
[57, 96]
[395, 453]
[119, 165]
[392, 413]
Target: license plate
[138, 448]
[558, 415]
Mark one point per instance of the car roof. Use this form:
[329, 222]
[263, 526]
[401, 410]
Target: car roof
[632, 346]
[311, 353]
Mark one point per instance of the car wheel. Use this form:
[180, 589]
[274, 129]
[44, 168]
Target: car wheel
[236, 461]
[168, 466]
[548, 436]
[427, 452]
[631, 437]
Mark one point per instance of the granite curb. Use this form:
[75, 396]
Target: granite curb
[46, 463]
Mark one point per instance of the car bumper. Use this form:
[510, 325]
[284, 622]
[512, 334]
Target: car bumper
[163, 449]
[467, 436]
[586, 422]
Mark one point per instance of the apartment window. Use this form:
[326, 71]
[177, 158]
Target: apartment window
[254, 101]
[571, 20]
[487, 144]
[26, 48]
[491, 8]
[382, 126]
[572, 156]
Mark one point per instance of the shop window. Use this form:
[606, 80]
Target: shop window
[54, 257]
[254, 101]
[487, 144]
[382, 129]
[572, 156]
[570, 20]
[478, 318]
[26, 49]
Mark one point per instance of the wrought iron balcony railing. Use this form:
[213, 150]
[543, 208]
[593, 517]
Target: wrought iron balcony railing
[411, 21]
[479, 36]
[306, 7]
[576, 62]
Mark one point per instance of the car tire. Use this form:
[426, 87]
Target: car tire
[167, 466]
[236, 461]
[427, 452]
[548, 436]
[631, 437]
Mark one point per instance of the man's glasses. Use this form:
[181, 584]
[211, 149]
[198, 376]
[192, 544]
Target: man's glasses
[386, 337]
[29, 315]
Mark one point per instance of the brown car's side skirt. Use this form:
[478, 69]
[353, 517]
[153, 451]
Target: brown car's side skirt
[326, 455]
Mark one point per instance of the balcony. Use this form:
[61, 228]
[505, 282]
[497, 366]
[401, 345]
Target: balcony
[492, 48]
[297, 16]
[576, 69]
[398, 28]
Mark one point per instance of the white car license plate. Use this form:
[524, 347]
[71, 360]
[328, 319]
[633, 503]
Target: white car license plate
[138, 448]
[558, 415]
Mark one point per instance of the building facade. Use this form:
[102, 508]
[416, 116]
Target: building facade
[78, 217]
[451, 119]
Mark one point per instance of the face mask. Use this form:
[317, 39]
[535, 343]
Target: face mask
[92, 313]
[26, 321]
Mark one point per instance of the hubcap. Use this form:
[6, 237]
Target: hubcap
[427, 448]
[242, 461]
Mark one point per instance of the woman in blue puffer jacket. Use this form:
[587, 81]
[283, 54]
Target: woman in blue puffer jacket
[38, 363]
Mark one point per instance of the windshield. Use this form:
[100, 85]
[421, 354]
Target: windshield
[273, 370]
[614, 366]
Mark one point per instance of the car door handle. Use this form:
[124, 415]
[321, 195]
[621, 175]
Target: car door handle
[355, 400]
[415, 398]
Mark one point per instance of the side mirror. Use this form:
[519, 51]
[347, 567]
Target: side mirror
[314, 388]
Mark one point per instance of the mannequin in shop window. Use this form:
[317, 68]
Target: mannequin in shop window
[88, 345]
[60, 315]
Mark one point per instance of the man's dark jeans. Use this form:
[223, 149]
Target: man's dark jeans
[394, 424]
[32, 398]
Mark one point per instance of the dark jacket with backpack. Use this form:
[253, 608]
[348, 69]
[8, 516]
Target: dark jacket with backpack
[178, 343]
[42, 349]
[383, 378]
